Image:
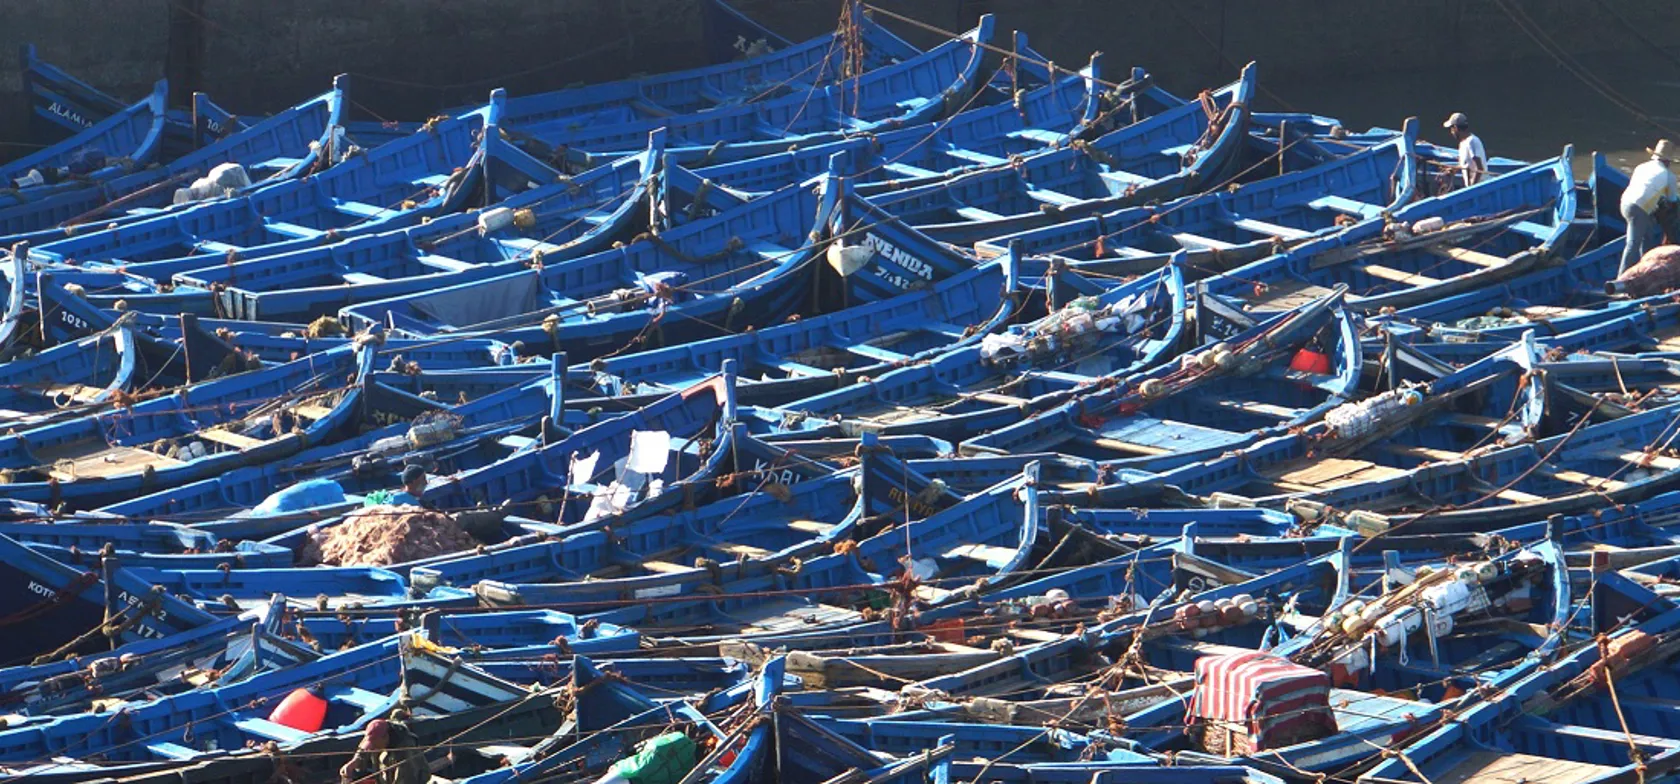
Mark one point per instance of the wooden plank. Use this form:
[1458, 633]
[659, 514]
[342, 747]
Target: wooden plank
[1053, 198]
[1287, 294]
[1644, 459]
[1519, 497]
[1585, 480]
[1265, 229]
[112, 461]
[810, 527]
[977, 215]
[77, 393]
[1421, 452]
[1467, 255]
[1398, 276]
[1198, 242]
[993, 398]
[1261, 409]
[1345, 206]
[743, 549]
[1473, 420]
[1334, 472]
[985, 553]
[665, 567]
[230, 438]
[313, 411]
[1117, 445]
[1496, 767]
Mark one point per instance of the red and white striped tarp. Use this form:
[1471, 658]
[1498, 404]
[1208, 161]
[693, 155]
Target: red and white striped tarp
[1247, 688]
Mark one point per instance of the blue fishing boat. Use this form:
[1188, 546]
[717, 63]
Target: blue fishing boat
[914, 91]
[750, 266]
[432, 171]
[1181, 149]
[75, 376]
[275, 149]
[357, 684]
[1281, 373]
[797, 359]
[1047, 117]
[1225, 229]
[1093, 340]
[1561, 474]
[531, 227]
[194, 432]
[1436, 247]
[119, 144]
[154, 545]
[280, 500]
[53, 606]
[63, 107]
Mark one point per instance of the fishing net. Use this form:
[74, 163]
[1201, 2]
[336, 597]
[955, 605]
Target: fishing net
[384, 535]
[1657, 271]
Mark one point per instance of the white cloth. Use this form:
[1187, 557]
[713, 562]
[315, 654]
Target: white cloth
[1650, 183]
[1472, 159]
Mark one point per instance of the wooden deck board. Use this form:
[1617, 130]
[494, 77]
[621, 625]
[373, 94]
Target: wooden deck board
[109, 462]
[1335, 472]
[1288, 295]
[1468, 256]
[230, 438]
[1496, 767]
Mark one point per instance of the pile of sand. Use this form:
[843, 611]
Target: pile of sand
[384, 535]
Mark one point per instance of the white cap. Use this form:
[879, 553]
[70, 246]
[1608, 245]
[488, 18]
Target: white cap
[1457, 118]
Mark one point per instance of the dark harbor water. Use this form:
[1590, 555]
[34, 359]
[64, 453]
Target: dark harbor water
[1527, 110]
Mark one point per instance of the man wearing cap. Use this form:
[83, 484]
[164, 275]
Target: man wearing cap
[413, 488]
[1472, 157]
[1650, 186]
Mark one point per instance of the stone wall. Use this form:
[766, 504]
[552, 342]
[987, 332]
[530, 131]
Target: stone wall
[410, 57]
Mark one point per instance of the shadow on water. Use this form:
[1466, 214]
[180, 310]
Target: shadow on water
[1525, 110]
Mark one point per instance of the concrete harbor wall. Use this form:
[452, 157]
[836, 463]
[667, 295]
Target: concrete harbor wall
[410, 57]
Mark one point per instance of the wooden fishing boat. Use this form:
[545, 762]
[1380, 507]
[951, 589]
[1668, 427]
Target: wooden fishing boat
[1224, 229]
[1217, 399]
[84, 373]
[801, 358]
[1617, 461]
[358, 684]
[1047, 117]
[52, 605]
[1499, 228]
[748, 266]
[263, 502]
[119, 144]
[549, 223]
[1588, 715]
[195, 432]
[1105, 335]
[430, 172]
[699, 551]
[154, 545]
[914, 91]
[271, 150]
[1182, 149]
[63, 107]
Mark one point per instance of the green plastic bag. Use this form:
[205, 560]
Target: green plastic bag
[661, 760]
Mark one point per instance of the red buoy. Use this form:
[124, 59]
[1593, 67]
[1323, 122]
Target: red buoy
[302, 710]
[1308, 361]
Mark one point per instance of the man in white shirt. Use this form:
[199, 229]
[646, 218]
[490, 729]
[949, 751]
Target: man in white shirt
[1472, 157]
[1651, 184]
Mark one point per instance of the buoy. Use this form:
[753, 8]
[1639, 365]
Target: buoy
[302, 710]
[1308, 361]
